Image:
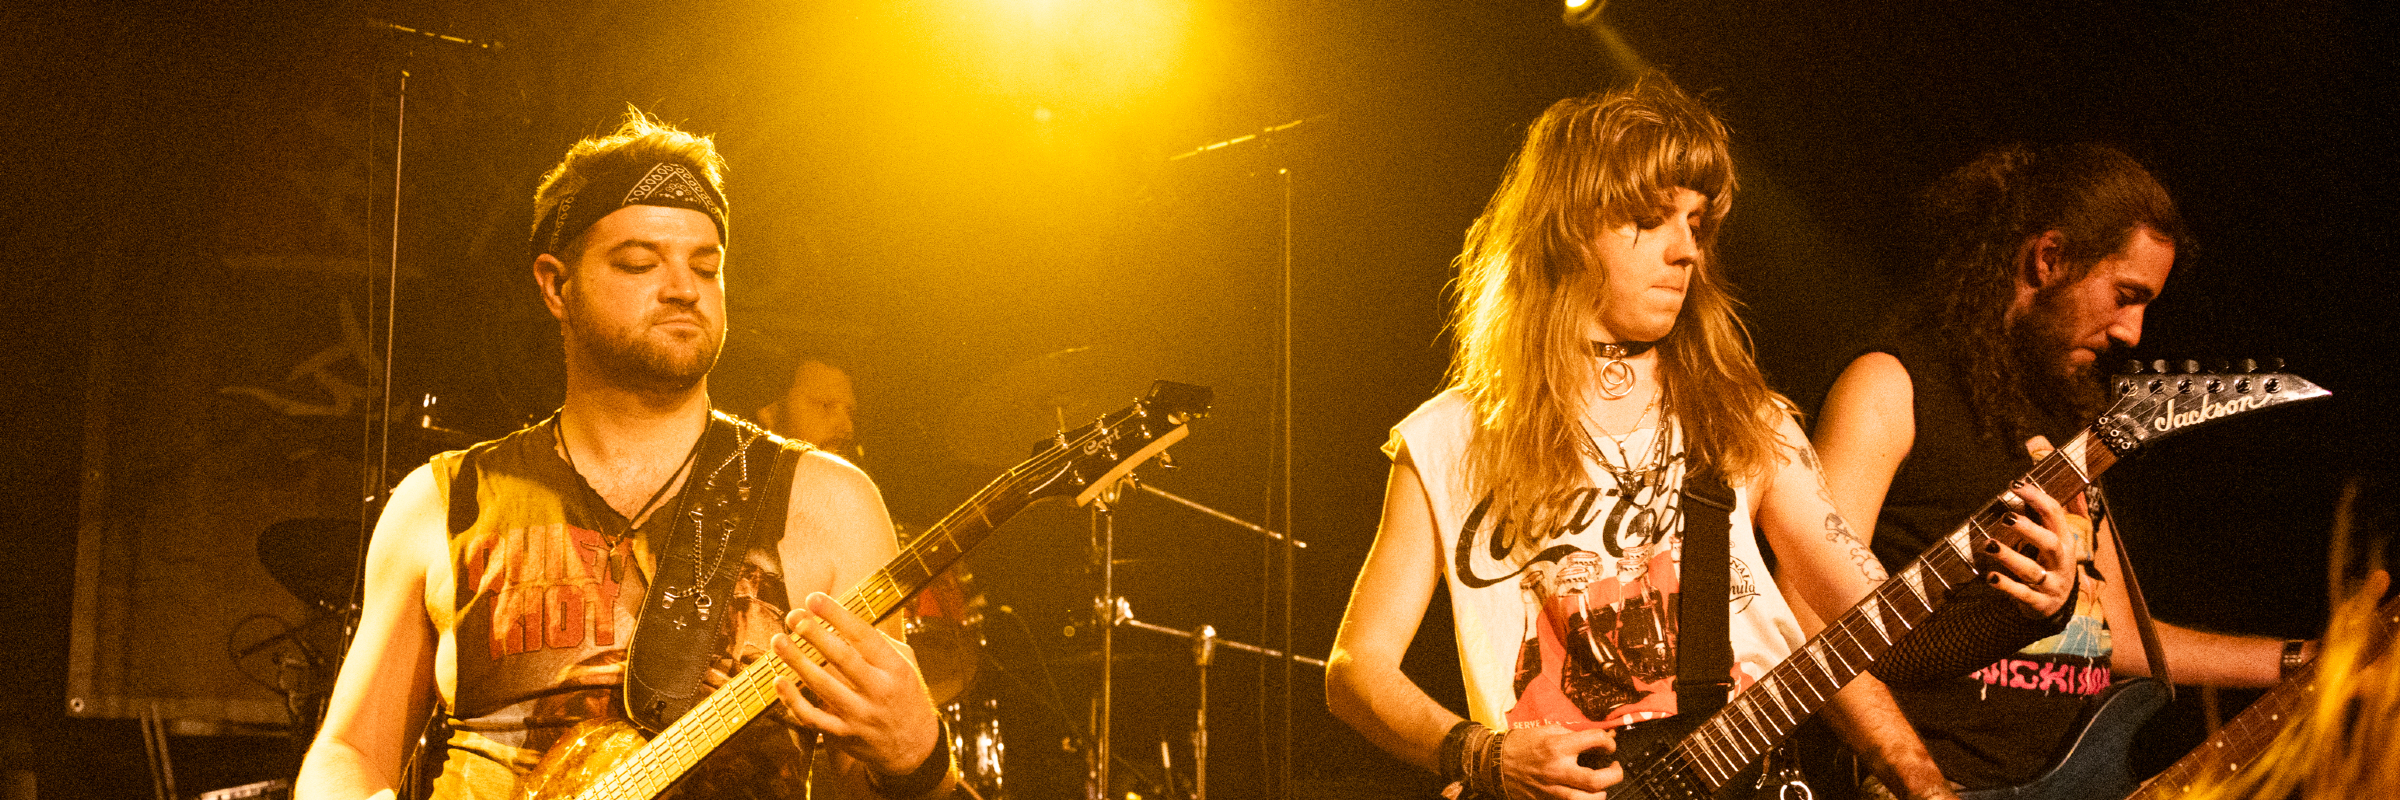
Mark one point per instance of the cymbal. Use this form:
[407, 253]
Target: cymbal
[948, 654]
[316, 559]
[946, 631]
[1000, 419]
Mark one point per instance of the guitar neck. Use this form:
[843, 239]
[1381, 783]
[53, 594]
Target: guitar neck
[2234, 746]
[1761, 717]
[650, 771]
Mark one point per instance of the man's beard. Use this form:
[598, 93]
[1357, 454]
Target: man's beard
[2042, 345]
[637, 361]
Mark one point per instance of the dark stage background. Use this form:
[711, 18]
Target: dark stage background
[972, 203]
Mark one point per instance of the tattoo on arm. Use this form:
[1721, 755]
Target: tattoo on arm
[1838, 532]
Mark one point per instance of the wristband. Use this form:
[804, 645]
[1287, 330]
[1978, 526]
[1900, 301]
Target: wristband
[926, 778]
[1469, 759]
[2295, 656]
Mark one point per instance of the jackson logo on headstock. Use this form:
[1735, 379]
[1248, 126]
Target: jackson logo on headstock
[2208, 411]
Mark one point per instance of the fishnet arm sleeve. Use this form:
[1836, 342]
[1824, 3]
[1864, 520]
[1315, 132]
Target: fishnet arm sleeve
[1975, 627]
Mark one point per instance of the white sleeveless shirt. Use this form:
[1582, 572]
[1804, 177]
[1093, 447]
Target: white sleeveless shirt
[1581, 634]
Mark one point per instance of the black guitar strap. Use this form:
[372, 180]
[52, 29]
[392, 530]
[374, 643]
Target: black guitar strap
[2151, 647]
[1703, 640]
[734, 501]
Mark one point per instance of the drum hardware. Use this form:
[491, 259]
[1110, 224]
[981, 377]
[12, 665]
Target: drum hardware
[1205, 642]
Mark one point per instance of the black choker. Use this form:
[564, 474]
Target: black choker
[1616, 376]
[1621, 349]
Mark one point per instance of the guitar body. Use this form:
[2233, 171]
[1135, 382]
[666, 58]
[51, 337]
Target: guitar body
[2096, 764]
[1651, 773]
[583, 755]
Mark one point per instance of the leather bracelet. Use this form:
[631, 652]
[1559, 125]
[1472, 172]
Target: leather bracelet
[1469, 758]
[1448, 759]
[2295, 656]
[925, 778]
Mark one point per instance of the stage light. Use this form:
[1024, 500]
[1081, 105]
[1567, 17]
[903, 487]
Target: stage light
[1583, 12]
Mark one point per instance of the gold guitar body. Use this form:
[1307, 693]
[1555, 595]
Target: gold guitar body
[584, 754]
[593, 747]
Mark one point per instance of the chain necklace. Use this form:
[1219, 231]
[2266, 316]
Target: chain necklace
[719, 504]
[1633, 477]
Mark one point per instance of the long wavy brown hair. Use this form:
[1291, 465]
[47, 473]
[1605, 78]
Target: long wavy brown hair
[1529, 281]
[1973, 223]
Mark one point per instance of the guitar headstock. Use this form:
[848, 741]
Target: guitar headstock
[1087, 462]
[2159, 399]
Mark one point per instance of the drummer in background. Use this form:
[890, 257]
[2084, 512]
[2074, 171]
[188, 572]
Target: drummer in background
[816, 408]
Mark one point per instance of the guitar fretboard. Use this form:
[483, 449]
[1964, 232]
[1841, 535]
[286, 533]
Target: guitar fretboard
[2247, 735]
[1762, 716]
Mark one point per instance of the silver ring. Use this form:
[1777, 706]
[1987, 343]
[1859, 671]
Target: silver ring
[2042, 576]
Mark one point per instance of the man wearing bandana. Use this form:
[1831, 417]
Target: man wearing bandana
[505, 583]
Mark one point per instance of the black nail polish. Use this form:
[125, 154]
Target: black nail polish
[1993, 578]
[2009, 518]
[1991, 547]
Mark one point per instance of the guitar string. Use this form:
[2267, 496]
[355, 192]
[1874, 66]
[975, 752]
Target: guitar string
[1731, 725]
[1726, 731]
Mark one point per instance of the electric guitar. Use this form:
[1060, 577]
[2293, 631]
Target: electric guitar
[1675, 759]
[2096, 763]
[2232, 746]
[608, 757]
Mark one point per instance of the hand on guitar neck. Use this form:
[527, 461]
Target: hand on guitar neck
[868, 702]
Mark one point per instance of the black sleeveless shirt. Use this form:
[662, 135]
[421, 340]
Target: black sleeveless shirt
[2001, 725]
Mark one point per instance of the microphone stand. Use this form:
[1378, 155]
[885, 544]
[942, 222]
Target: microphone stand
[1105, 540]
[1204, 650]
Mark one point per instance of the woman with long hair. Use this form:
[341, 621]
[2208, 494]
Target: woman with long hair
[1601, 379]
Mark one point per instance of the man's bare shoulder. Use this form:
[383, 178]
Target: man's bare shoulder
[1875, 374]
[824, 478]
[832, 496]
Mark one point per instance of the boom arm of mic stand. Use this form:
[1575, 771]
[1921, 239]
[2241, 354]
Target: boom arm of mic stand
[1125, 618]
[1228, 518]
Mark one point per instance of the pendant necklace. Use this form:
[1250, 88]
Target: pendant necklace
[559, 430]
[1616, 376]
[1632, 477]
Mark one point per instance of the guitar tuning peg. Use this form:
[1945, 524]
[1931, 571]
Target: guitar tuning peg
[1166, 460]
[2274, 365]
[2133, 367]
[2191, 366]
[2249, 365]
[2159, 366]
[2219, 365]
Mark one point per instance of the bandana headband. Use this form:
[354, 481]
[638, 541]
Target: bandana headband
[672, 184]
